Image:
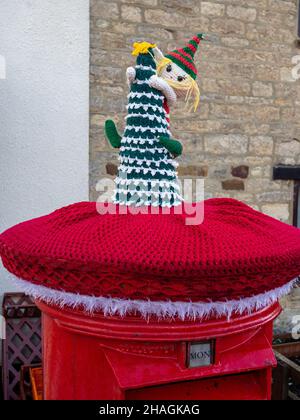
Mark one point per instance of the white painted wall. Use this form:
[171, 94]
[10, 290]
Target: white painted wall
[44, 106]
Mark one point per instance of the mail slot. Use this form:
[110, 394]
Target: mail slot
[247, 386]
[97, 357]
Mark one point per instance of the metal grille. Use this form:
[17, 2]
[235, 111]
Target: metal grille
[22, 345]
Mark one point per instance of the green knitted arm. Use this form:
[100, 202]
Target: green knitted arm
[112, 134]
[173, 146]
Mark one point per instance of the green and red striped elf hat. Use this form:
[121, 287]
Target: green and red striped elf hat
[184, 57]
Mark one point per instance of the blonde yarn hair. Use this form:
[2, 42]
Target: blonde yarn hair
[188, 86]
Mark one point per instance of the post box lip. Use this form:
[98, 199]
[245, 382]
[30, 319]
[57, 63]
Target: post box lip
[137, 329]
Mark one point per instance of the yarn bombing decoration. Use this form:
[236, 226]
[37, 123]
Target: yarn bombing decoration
[154, 264]
[146, 174]
[237, 260]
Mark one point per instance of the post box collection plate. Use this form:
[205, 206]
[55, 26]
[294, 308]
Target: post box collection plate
[200, 354]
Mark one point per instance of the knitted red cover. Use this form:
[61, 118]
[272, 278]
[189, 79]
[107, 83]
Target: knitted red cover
[236, 252]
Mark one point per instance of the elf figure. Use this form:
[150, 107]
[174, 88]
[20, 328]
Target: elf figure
[146, 174]
[177, 68]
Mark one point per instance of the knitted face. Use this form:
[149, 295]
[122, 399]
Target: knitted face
[174, 75]
[182, 83]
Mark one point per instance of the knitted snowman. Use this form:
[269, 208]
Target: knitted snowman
[146, 174]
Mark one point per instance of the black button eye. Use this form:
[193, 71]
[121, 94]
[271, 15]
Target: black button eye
[180, 78]
[169, 68]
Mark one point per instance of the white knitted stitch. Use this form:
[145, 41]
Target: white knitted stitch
[154, 183]
[148, 162]
[143, 193]
[140, 200]
[151, 129]
[148, 203]
[139, 140]
[146, 107]
[141, 67]
[142, 82]
[151, 117]
[146, 149]
[145, 94]
[145, 171]
[142, 169]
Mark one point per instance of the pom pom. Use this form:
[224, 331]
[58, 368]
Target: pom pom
[142, 48]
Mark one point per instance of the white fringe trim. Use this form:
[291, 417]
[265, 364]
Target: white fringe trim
[142, 193]
[160, 309]
[128, 169]
[151, 183]
[148, 162]
[149, 202]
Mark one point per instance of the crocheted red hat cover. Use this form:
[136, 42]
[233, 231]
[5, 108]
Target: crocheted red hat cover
[236, 252]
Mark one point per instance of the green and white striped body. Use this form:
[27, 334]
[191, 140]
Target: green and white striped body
[146, 173]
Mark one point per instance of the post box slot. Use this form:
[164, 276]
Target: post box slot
[239, 387]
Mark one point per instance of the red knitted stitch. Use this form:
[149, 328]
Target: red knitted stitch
[186, 63]
[192, 47]
[186, 54]
[237, 252]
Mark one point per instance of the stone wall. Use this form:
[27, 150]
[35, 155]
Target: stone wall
[249, 117]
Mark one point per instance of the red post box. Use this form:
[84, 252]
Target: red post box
[97, 271]
[97, 357]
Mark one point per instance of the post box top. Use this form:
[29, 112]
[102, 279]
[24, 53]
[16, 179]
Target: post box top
[237, 259]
